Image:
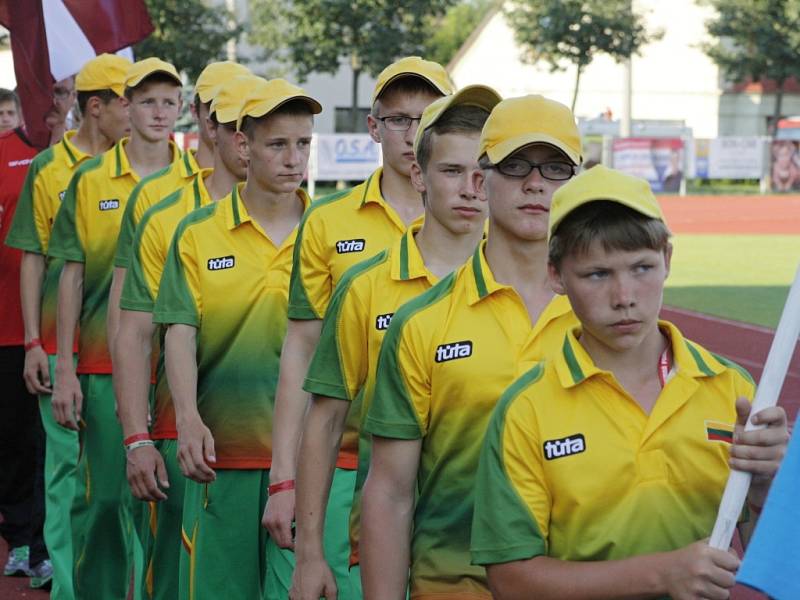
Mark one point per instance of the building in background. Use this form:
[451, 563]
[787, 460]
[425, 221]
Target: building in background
[674, 84]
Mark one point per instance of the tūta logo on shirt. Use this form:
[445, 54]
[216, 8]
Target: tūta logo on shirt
[348, 246]
[453, 351]
[567, 446]
[382, 321]
[109, 204]
[222, 262]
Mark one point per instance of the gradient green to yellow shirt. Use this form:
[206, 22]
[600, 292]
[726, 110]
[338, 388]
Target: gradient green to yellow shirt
[359, 314]
[338, 232]
[574, 469]
[226, 277]
[86, 230]
[448, 356]
[140, 290]
[45, 185]
[149, 191]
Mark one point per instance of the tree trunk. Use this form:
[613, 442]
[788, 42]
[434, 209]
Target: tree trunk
[773, 127]
[577, 85]
[354, 116]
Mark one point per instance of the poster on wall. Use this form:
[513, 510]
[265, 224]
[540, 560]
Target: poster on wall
[658, 160]
[785, 169]
[729, 158]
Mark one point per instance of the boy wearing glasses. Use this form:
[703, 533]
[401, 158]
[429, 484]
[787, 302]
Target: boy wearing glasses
[449, 354]
[336, 233]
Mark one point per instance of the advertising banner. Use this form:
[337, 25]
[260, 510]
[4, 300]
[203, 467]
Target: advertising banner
[659, 160]
[344, 157]
[729, 158]
[785, 170]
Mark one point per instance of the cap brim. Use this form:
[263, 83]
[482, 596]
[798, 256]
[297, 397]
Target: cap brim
[143, 76]
[315, 107]
[394, 78]
[507, 147]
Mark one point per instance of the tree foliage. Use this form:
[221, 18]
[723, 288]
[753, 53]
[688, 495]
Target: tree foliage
[575, 31]
[449, 32]
[187, 33]
[757, 40]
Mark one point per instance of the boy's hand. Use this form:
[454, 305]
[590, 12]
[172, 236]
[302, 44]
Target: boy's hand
[67, 402]
[37, 371]
[759, 452]
[196, 450]
[312, 579]
[278, 517]
[700, 571]
[147, 473]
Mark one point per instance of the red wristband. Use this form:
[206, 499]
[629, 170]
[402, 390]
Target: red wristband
[34, 343]
[136, 437]
[281, 486]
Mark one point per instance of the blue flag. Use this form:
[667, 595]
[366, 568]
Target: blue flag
[772, 561]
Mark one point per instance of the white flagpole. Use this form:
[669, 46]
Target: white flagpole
[778, 359]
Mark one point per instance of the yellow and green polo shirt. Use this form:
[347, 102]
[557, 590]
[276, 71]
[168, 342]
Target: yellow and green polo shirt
[574, 469]
[354, 326]
[448, 356]
[149, 191]
[225, 277]
[86, 230]
[45, 185]
[338, 232]
[140, 290]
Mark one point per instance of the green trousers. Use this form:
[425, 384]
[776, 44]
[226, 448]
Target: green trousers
[336, 544]
[104, 540]
[159, 526]
[60, 460]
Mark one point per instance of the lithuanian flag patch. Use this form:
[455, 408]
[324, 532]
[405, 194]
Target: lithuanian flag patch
[717, 431]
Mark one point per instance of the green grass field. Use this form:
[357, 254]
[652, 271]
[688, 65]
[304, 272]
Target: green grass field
[740, 277]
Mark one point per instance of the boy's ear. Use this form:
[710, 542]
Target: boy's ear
[667, 258]
[242, 145]
[416, 178]
[556, 282]
[478, 183]
[372, 128]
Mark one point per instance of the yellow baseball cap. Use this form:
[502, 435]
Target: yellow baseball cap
[215, 75]
[519, 122]
[146, 67]
[602, 183]
[230, 96]
[266, 97]
[472, 95]
[104, 72]
[414, 66]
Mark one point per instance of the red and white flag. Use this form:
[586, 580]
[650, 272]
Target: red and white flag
[53, 39]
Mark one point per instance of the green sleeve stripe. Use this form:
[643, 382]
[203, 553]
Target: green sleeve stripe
[64, 240]
[300, 307]
[175, 303]
[23, 233]
[326, 370]
[135, 291]
[572, 362]
[738, 368]
[392, 413]
[503, 528]
[480, 282]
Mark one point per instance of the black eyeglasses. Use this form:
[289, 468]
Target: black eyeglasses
[554, 170]
[398, 122]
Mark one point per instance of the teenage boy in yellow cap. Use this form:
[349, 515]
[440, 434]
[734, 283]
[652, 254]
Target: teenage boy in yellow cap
[603, 467]
[338, 232]
[104, 120]
[210, 78]
[223, 296]
[343, 368]
[152, 467]
[449, 354]
[85, 236]
[156, 187]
